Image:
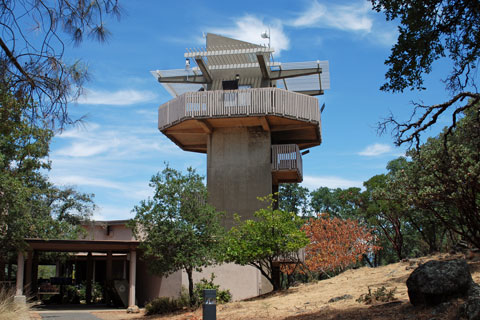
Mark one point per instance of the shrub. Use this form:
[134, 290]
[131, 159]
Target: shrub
[9, 309]
[162, 305]
[379, 295]
[223, 296]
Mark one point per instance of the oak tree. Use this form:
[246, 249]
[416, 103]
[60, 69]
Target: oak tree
[178, 229]
[428, 32]
[335, 243]
[272, 237]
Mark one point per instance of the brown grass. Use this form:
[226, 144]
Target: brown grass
[310, 301]
[9, 310]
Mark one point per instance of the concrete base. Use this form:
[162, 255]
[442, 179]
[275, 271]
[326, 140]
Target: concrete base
[20, 299]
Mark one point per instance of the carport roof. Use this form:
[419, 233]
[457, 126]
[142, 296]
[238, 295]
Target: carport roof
[82, 245]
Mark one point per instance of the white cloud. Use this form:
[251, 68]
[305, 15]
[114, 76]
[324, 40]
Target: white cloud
[376, 149]
[352, 17]
[107, 212]
[74, 180]
[249, 28]
[115, 98]
[331, 182]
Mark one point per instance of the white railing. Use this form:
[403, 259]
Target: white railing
[234, 103]
[287, 157]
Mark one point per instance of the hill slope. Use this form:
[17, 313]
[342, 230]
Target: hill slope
[311, 301]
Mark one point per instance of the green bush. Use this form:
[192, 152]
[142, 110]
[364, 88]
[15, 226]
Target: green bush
[223, 296]
[162, 305]
[379, 295]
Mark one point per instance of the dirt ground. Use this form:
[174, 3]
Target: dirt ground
[310, 301]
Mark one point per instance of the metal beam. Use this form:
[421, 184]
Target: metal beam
[311, 92]
[183, 79]
[263, 66]
[206, 53]
[203, 68]
[282, 74]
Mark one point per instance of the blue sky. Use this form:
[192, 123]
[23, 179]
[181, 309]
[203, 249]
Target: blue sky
[118, 147]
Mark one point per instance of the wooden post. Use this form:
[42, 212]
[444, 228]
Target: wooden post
[34, 285]
[28, 273]
[88, 289]
[132, 279]
[108, 277]
[20, 269]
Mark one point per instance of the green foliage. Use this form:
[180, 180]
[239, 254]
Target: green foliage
[443, 178]
[341, 203]
[379, 295]
[178, 228]
[223, 296]
[162, 305]
[272, 235]
[34, 207]
[293, 198]
[46, 271]
[429, 31]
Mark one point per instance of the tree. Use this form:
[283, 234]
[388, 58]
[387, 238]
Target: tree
[335, 243]
[293, 198]
[445, 182]
[273, 236]
[178, 229]
[384, 213]
[30, 206]
[342, 203]
[430, 31]
[33, 46]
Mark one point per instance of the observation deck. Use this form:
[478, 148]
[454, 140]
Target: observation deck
[290, 117]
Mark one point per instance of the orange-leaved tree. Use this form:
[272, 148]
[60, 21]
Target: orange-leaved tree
[336, 243]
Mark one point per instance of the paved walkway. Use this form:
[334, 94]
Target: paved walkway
[68, 316]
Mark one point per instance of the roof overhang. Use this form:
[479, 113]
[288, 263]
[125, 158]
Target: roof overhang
[57, 245]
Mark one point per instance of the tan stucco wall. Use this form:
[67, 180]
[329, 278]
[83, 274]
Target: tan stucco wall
[117, 232]
[242, 281]
[150, 286]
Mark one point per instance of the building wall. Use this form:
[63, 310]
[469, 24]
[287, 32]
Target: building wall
[238, 170]
[98, 231]
[242, 281]
[150, 286]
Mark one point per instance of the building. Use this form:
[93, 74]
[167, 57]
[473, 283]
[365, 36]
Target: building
[252, 117]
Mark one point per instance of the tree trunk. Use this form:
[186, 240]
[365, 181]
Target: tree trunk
[190, 284]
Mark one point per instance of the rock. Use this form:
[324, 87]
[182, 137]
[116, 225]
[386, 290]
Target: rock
[471, 308]
[344, 297]
[435, 282]
[133, 309]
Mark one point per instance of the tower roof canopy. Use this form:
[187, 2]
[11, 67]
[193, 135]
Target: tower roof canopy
[225, 58]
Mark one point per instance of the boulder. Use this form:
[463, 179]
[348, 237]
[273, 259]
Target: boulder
[438, 281]
[471, 308]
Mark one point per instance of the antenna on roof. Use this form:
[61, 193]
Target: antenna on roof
[266, 35]
[323, 107]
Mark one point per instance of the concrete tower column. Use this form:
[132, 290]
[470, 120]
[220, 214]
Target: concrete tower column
[238, 170]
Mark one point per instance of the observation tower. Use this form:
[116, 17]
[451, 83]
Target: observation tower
[251, 115]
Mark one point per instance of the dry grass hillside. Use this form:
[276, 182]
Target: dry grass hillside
[311, 301]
